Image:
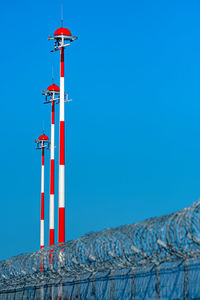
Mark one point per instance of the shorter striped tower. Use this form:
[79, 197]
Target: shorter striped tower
[42, 142]
[52, 94]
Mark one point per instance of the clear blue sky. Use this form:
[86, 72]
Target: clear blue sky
[133, 128]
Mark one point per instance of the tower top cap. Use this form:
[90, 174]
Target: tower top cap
[53, 88]
[62, 31]
[43, 137]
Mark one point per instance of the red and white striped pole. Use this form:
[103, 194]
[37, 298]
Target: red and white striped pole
[61, 204]
[42, 203]
[60, 36]
[42, 142]
[50, 94]
[51, 204]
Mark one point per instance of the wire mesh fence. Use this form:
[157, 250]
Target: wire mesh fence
[177, 280]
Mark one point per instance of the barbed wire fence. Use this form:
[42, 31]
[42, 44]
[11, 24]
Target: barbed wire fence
[129, 260]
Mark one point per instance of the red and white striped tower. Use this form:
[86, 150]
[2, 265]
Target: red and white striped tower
[62, 35]
[42, 143]
[51, 93]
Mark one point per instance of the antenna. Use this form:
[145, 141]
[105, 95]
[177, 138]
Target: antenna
[52, 75]
[61, 15]
[43, 126]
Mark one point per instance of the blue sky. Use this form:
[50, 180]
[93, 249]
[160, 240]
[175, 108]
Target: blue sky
[133, 127]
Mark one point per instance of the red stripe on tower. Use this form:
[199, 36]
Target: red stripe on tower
[62, 143]
[61, 224]
[62, 68]
[42, 156]
[52, 177]
[42, 206]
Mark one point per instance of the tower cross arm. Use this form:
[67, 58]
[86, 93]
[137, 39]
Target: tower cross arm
[66, 37]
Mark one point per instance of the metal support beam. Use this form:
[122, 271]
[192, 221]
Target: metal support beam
[157, 285]
[186, 280]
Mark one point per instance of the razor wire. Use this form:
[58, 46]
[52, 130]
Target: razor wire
[153, 241]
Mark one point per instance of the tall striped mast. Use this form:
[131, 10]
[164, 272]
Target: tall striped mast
[42, 204]
[61, 224]
[51, 93]
[60, 36]
[42, 143]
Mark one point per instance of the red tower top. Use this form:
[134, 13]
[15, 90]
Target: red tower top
[62, 31]
[53, 88]
[61, 35]
[43, 137]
